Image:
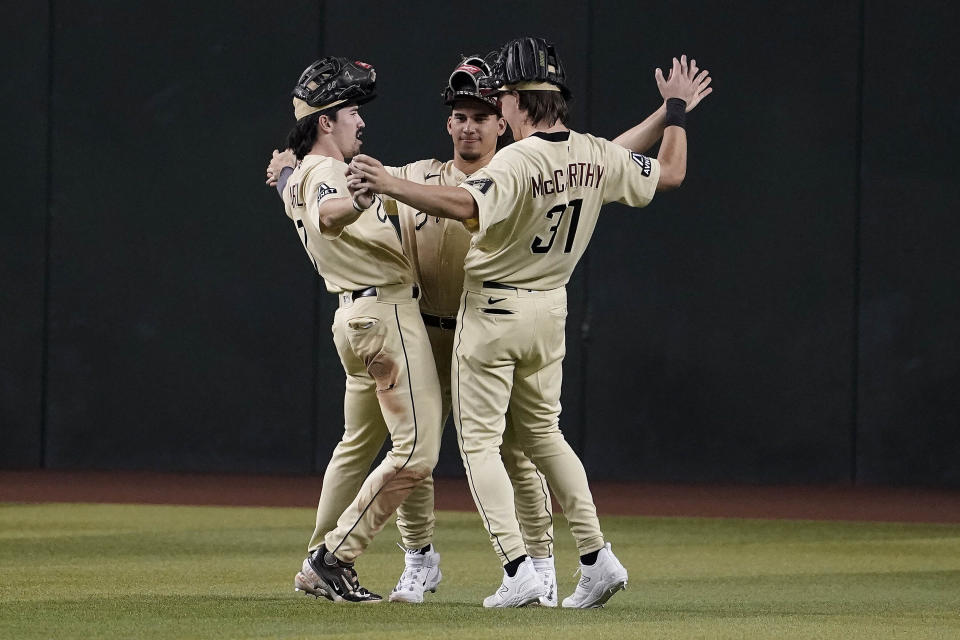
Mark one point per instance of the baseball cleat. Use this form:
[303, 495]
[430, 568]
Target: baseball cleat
[309, 582]
[548, 575]
[323, 575]
[421, 574]
[524, 588]
[598, 582]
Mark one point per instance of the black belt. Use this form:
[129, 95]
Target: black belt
[439, 321]
[496, 285]
[372, 291]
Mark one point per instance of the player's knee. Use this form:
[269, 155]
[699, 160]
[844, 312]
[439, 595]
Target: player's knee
[537, 432]
[415, 473]
[474, 447]
[418, 456]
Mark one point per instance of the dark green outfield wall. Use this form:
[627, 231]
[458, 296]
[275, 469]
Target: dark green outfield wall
[790, 315]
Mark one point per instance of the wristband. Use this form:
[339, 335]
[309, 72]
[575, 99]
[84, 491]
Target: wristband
[356, 205]
[676, 113]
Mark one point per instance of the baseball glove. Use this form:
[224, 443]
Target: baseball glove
[331, 79]
[526, 60]
[464, 82]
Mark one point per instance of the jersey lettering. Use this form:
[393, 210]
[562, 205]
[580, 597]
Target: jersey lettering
[300, 227]
[420, 221]
[294, 191]
[381, 212]
[574, 176]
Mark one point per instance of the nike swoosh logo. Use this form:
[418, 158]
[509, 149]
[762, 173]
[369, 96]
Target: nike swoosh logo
[492, 300]
[431, 175]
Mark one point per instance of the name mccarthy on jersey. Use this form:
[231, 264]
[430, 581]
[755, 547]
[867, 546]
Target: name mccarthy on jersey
[538, 202]
[576, 174]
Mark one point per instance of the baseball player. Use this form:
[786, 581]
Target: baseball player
[535, 206]
[437, 247]
[391, 381]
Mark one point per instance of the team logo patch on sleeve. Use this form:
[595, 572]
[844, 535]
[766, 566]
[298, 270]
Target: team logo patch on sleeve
[643, 162]
[480, 184]
[323, 190]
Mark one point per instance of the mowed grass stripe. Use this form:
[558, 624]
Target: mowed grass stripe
[125, 571]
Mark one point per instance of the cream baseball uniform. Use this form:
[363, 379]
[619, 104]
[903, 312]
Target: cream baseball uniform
[436, 247]
[538, 200]
[391, 381]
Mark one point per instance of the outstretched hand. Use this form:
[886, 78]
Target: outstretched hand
[369, 172]
[684, 82]
[702, 81]
[279, 160]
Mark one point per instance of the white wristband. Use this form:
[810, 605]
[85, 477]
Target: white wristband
[356, 205]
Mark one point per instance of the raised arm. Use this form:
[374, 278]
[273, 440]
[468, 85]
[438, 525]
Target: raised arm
[644, 135]
[678, 90]
[446, 202]
[641, 137]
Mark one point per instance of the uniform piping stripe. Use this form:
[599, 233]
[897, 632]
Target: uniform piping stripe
[456, 420]
[413, 406]
[548, 507]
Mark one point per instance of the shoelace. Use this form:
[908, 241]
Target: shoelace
[354, 579]
[411, 574]
[355, 582]
[408, 551]
[410, 577]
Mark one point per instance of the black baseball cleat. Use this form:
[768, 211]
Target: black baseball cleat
[323, 575]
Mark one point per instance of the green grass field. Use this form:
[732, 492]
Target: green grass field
[125, 571]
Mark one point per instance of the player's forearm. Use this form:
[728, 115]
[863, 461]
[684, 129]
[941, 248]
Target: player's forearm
[285, 174]
[644, 135]
[672, 158]
[445, 202]
[337, 213]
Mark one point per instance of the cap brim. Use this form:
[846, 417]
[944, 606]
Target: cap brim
[461, 96]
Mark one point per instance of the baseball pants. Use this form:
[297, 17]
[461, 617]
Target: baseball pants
[416, 518]
[391, 389]
[508, 356]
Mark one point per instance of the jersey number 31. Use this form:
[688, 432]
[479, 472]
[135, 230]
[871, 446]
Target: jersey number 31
[542, 246]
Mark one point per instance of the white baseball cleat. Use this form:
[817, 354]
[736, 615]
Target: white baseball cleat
[522, 589]
[548, 576]
[422, 573]
[598, 582]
